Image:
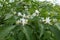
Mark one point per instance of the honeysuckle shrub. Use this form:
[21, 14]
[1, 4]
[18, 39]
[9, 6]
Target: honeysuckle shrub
[29, 20]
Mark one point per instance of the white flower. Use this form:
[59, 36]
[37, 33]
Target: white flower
[1, 5]
[24, 15]
[48, 20]
[19, 14]
[34, 14]
[36, 11]
[23, 21]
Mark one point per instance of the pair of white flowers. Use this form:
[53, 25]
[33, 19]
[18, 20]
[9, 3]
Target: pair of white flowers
[23, 21]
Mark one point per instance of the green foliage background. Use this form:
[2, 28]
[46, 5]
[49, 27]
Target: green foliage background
[34, 30]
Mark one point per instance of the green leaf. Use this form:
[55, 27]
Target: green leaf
[58, 25]
[5, 31]
[28, 33]
[55, 31]
[42, 30]
[8, 16]
[21, 36]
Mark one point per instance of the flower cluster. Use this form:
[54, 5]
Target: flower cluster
[24, 19]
